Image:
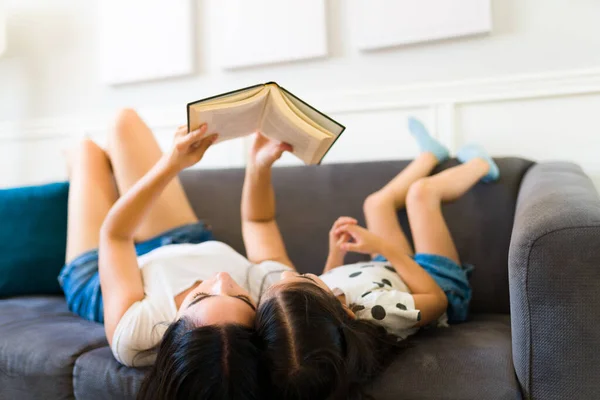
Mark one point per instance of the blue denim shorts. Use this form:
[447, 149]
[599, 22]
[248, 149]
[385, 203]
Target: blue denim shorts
[80, 281]
[452, 278]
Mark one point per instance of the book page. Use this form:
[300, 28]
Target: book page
[232, 97]
[299, 107]
[230, 121]
[277, 125]
[303, 116]
[323, 148]
[301, 122]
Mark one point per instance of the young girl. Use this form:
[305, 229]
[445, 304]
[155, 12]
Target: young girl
[158, 281]
[326, 337]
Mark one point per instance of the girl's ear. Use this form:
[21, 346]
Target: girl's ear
[349, 311]
[341, 296]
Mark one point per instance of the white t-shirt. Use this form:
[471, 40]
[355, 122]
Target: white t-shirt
[170, 270]
[379, 294]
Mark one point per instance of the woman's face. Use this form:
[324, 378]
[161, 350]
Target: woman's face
[219, 301]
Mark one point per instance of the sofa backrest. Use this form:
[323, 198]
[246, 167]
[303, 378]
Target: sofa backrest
[309, 200]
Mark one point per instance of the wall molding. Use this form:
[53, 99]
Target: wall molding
[489, 90]
[442, 98]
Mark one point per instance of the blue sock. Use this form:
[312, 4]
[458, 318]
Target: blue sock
[426, 141]
[471, 151]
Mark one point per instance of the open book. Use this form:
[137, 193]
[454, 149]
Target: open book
[272, 110]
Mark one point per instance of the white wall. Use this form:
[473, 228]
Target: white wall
[532, 88]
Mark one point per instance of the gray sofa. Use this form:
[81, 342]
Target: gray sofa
[534, 235]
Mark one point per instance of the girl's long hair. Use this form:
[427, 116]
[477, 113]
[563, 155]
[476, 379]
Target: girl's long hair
[312, 349]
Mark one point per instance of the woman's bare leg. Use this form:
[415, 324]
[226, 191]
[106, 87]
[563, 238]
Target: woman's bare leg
[133, 151]
[423, 204]
[381, 207]
[92, 193]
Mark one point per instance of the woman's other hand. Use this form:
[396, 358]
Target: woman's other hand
[264, 151]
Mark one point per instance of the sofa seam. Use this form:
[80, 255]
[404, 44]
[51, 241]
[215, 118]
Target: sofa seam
[532, 245]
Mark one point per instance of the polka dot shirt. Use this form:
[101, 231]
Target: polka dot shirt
[377, 293]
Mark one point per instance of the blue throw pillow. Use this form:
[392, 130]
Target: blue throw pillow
[33, 236]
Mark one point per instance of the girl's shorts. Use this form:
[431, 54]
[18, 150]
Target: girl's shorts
[452, 278]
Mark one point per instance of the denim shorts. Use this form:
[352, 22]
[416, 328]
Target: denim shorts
[80, 281]
[452, 278]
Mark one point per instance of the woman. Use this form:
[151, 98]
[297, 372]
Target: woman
[158, 281]
[325, 338]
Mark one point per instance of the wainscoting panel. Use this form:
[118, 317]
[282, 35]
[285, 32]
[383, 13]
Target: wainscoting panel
[550, 116]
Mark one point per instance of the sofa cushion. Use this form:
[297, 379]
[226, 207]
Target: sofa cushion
[310, 199]
[98, 375]
[39, 343]
[466, 361]
[33, 235]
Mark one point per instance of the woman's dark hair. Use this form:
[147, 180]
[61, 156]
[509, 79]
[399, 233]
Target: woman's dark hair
[314, 350]
[208, 363]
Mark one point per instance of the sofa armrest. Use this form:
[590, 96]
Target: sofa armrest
[554, 276]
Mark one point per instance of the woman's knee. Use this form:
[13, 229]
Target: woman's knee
[124, 120]
[422, 192]
[88, 151]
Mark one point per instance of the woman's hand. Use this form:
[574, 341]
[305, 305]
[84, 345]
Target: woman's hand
[189, 148]
[265, 151]
[360, 240]
[336, 239]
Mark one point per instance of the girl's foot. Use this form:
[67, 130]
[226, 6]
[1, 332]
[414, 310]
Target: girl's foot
[471, 151]
[426, 142]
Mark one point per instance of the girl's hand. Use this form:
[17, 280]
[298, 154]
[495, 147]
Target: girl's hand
[336, 239]
[360, 240]
[189, 148]
[265, 151]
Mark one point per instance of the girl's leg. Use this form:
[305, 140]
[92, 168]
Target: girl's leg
[381, 207]
[133, 151]
[423, 204]
[92, 193]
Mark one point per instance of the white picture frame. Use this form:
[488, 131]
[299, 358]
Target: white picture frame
[260, 32]
[2, 28]
[389, 23]
[142, 40]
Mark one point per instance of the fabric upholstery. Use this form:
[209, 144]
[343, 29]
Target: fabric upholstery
[439, 364]
[310, 199]
[554, 269]
[46, 352]
[39, 343]
[465, 361]
[98, 375]
[33, 236]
